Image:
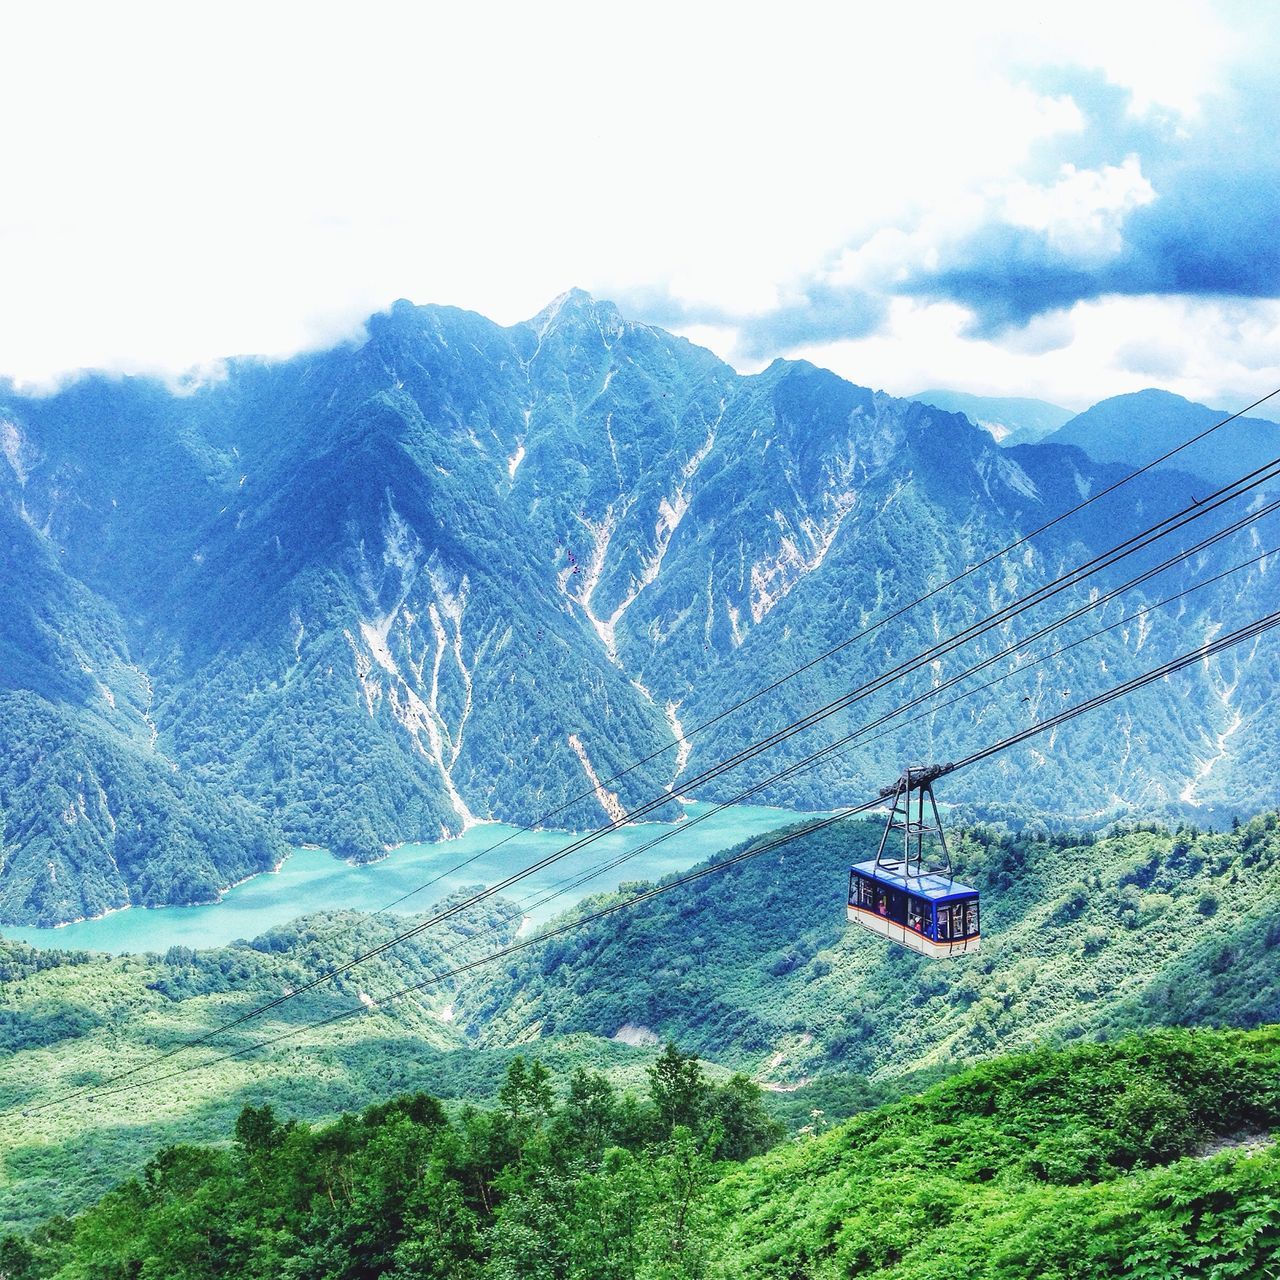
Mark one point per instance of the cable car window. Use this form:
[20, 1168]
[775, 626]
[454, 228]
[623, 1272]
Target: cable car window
[971, 917]
[944, 924]
[866, 894]
[915, 914]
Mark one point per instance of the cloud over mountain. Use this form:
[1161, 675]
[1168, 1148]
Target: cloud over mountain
[1209, 227]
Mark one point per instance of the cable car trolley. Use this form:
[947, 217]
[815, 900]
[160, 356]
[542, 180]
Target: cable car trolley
[902, 897]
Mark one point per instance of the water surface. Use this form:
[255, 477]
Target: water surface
[313, 880]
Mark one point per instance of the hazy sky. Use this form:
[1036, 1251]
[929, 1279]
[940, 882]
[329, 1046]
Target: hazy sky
[1013, 199]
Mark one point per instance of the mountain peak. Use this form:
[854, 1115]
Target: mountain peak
[1009, 419]
[1141, 425]
[577, 307]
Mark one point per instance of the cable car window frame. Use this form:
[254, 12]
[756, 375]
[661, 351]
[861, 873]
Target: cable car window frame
[865, 893]
[917, 913]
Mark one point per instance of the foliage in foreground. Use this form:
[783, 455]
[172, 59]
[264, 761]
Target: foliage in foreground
[1100, 1160]
[591, 1184]
[1149, 1157]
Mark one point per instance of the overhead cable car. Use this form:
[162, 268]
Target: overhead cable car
[899, 895]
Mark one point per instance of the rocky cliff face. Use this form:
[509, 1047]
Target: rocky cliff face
[463, 571]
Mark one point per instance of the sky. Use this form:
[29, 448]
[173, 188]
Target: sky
[1065, 202]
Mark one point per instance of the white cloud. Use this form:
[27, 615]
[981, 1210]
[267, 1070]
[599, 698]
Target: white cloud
[188, 181]
[1082, 212]
[1221, 354]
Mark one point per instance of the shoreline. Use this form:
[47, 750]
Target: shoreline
[5, 930]
[167, 906]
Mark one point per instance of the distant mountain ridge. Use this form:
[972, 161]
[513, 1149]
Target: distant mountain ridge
[1145, 424]
[1010, 419]
[464, 571]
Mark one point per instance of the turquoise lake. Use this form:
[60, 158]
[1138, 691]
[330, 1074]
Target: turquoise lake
[313, 880]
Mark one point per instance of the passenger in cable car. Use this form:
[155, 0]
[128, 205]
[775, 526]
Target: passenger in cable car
[915, 914]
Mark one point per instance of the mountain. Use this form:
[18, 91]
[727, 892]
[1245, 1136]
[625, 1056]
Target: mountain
[1010, 419]
[1146, 424]
[91, 813]
[456, 571]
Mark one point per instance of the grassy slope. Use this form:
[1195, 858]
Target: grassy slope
[71, 1025]
[756, 966]
[1088, 1162]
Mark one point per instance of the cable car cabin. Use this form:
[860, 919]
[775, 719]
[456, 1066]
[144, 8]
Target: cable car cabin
[930, 913]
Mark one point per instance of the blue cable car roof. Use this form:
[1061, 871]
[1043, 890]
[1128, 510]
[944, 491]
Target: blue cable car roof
[937, 888]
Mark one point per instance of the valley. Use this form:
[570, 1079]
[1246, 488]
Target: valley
[457, 571]
[753, 969]
[312, 880]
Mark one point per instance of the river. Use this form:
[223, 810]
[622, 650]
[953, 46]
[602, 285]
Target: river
[312, 880]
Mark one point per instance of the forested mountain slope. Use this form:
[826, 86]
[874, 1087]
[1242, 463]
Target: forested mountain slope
[753, 968]
[1149, 1158]
[756, 966]
[458, 570]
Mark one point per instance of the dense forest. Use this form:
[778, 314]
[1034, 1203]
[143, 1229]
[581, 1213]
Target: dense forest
[752, 968]
[1152, 1157]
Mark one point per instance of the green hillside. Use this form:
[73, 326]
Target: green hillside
[1151, 1158]
[757, 967]
[69, 1020]
[754, 969]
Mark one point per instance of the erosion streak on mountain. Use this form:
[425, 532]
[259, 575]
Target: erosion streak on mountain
[374, 593]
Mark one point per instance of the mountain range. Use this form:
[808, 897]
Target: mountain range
[1010, 419]
[456, 571]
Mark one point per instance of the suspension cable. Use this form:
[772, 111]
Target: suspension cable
[1137, 542]
[1249, 631]
[857, 737]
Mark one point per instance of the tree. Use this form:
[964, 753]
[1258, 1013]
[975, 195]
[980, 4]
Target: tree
[678, 1090]
[17, 1259]
[745, 1128]
[526, 1098]
[587, 1123]
[679, 1228]
[258, 1130]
